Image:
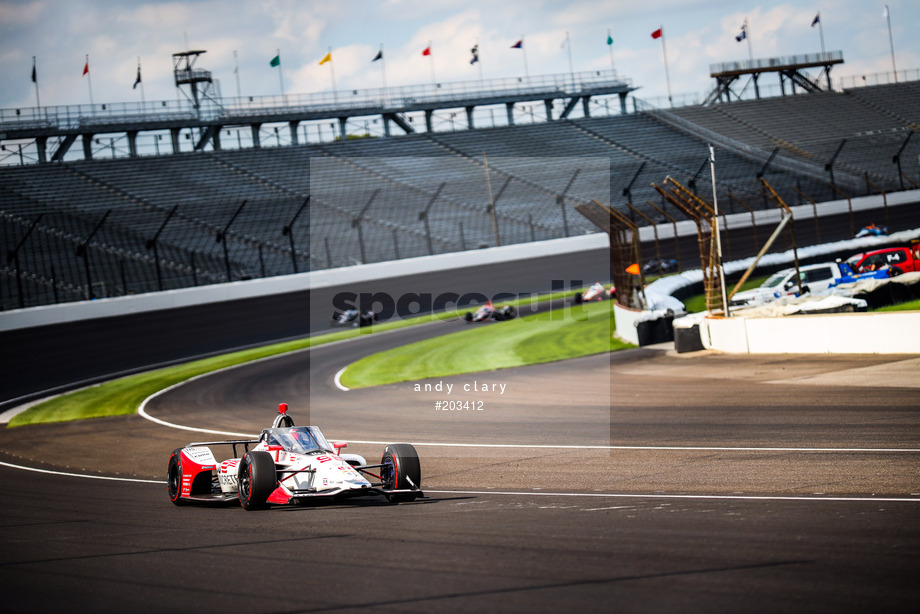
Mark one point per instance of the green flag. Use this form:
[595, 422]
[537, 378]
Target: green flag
[609, 40]
[276, 61]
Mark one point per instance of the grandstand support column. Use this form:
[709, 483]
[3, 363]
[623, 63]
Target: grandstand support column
[509, 107]
[174, 139]
[584, 105]
[428, 113]
[623, 96]
[41, 144]
[549, 109]
[294, 126]
[469, 117]
[343, 132]
[132, 143]
[386, 125]
[256, 143]
[88, 146]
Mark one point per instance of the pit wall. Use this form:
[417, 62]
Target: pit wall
[843, 333]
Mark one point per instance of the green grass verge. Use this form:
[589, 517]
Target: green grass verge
[545, 337]
[909, 306]
[124, 395]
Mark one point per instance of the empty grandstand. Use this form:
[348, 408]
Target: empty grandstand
[93, 228]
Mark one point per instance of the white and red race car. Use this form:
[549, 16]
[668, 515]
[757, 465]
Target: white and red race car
[289, 464]
[490, 312]
[595, 292]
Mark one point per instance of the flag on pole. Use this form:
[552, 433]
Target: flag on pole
[657, 33]
[743, 34]
[609, 39]
[475, 52]
[379, 56]
[276, 61]
[34, 73]
[518, 45]
[816, 20]
[427, 50]
[138, 79]
[326, 58]
[85, 69]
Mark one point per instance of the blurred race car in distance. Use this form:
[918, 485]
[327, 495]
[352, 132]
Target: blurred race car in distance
[289, 464]
[353, 317]
[872, 231]
[660, 267]
[490, 312]
[595, 292]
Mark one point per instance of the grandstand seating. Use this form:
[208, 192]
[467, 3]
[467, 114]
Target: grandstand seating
[367, 196]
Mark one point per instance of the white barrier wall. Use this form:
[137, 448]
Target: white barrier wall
[839, 333]
[187, 297]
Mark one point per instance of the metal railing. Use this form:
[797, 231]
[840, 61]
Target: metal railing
[789, 60]
[70, 117]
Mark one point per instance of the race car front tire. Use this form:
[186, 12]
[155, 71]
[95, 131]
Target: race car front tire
[401, 471]
[257, 479]
[174, 477]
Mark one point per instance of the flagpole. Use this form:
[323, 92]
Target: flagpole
[478, 61]
[236, 71]
[383, 71]
[431, 63]
[667, 77]
[38, 100]
[280, 73]
[821, 32]
[891, 43]
[747, 35]
[568, 45]
[335, 93]
[141, 82]
[524, 50]
[610, 48]
[89, 81]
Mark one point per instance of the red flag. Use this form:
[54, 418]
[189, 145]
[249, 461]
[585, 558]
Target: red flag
[85, 68]
[427, 50]
[656, 33]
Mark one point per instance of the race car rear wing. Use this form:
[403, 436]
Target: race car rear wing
[235, 442]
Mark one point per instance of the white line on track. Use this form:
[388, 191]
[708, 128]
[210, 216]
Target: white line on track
[665, 496]
[337, 380]
[80, 475]
[659, 448]
[541, 493]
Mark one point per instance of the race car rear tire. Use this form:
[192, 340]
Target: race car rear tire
[174, 477]
[401, 470]
[579, 299]
[257, 479]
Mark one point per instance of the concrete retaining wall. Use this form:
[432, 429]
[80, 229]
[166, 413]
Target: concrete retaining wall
[844, 333]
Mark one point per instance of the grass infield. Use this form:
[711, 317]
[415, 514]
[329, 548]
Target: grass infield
[554, 335]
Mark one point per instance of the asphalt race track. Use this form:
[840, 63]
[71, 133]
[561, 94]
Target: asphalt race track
[719, 483]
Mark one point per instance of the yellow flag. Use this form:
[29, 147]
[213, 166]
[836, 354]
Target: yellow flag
[327, 58]
[633, 269]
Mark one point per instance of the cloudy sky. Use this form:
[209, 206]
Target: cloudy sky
[60, 34]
